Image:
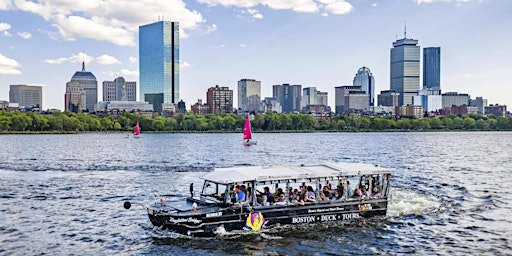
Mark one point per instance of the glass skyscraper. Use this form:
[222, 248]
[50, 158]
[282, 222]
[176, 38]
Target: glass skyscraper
[159, 63]
[405, 69]
[432, 68]
[364, 78]
[249, 95]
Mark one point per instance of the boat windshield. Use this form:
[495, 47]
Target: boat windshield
[211, 189]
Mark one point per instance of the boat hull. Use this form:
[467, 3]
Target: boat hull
[207, 222]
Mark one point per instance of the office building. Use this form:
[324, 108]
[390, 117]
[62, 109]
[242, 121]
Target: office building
[480, 103]
[289, 96]
[309, 96]
[429, 98]
[405, 69]
[81, 92]
[159, 63]
[27, 96]
[365, 79]
[497, 110]
[119, 90]
[340, 93]
[455, 99]
[432, 68]
[220, 100]
[388, 98]
[322, 98]
[249, 95]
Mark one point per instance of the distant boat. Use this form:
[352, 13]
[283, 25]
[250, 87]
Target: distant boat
[248, 133]
[136, 131]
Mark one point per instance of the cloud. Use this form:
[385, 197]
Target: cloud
[4, 26]
[108, 20]
[185, 65]
[25, 35]
[107, 60]
[433, 1]
[242, 45]
[75, 58]
[5, 4]
[211, 29]
[255, 13]
[9, 66]
[132, 60]
[375, 4]
[126, 72]
[308, 6]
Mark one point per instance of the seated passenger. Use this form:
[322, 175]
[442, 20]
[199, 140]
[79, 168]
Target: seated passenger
[264, 201]
[323, 198]
[310, 195]
[281, 199]
[375, 192]
[364, 193]
[357, 193]
[307, 198]
[297, 200]
[326, 191]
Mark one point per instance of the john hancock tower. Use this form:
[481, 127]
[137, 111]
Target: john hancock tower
[159, 63]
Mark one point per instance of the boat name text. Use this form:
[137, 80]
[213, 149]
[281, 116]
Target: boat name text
[195, 221]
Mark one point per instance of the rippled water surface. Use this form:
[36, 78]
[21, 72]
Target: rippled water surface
[63, 194]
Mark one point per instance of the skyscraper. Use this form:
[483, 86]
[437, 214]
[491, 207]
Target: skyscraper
[119, 90]
[309, 96]
[405, 69]
[159, 63]
[81, 92]
[432, 68]
[249, 95]
[289, 96]
[364, 78]
[27, 96]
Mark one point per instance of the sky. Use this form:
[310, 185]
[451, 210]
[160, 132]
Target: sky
[314, 43]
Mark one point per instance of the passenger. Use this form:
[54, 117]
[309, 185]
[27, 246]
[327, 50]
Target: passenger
[357, 193]
[335, 195]
[297, 200]
[281, 199]
[310, 195]
[264, 201]
[266, 191]
[350, 191]
[326, 192]
[323, 197]
[240, 194]
[364, 193]
[329, 187]
[249, 193]
[375, 192]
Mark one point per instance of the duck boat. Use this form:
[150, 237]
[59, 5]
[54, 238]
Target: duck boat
[216, 207]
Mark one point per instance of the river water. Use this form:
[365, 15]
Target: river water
[63, 194]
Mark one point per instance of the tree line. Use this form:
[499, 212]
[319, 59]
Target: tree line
[190, 122]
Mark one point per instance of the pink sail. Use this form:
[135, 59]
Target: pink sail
[136, 130]
[247, 129]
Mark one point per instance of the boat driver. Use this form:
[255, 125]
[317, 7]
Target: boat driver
[240, 194]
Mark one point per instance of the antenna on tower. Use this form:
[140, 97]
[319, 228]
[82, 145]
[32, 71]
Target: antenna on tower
[405, 29]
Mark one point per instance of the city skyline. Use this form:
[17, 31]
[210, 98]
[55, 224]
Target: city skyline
[318, 44]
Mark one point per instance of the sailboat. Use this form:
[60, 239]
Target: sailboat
[248, 133]
[136, 131]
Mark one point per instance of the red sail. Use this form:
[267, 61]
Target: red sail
[247, 129]
[136, 131]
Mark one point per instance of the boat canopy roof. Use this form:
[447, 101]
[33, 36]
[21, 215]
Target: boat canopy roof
[239, 174]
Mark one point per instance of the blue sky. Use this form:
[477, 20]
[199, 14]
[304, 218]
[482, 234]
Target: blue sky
[319, 43]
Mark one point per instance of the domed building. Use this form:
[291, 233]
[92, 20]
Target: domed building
[81, 92]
